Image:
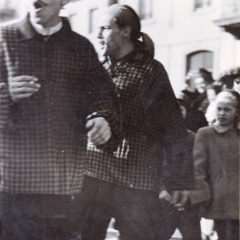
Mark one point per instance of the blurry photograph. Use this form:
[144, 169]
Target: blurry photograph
[119, 120]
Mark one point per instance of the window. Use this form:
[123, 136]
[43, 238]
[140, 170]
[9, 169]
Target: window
[8, 10]
[199, 59]
[201, 4]
[145, 9]
[93, 18]
[7, 15]
[111, 2]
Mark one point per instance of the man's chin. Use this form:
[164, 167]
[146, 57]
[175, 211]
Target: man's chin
[36, 19]
[103, 52]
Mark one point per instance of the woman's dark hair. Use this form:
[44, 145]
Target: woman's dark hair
[216, 88]
[135, 34]
[206, 75]
[227, 81]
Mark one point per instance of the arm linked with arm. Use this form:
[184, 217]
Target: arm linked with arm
[104, 100]
[166, 117]
[5, 100]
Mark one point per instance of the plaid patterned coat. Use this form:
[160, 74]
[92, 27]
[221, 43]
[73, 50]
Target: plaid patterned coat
[43, 138]
[151, 120]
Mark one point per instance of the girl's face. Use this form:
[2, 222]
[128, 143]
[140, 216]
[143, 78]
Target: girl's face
[226, 110]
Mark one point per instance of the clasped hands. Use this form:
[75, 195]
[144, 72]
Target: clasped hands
[22, 87]
[178, 198]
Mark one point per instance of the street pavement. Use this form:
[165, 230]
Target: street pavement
[206, 226]
[113, 234]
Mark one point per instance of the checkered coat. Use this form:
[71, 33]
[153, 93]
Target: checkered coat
[43, 138]
[152, 120]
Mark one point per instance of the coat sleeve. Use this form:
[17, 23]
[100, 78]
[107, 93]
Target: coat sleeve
[5, 99]
[170, 128]
[200, 153]
[104, 100]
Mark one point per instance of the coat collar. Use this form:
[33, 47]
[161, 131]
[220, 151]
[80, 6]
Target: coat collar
[46, 31]
[27, 31]
[134, 56]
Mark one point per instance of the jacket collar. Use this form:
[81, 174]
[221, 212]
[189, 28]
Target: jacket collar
[27, 31]
[135, 56]
[46, 31]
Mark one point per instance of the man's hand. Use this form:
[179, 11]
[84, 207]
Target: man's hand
[179, 199]
[99, 131]
[164, 195]
[23, 87]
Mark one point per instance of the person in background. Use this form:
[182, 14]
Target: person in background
[200, 85]
[187, 219]
[236, 87]
[200, 82]
[188, 94]
[207, 76]
[216, 153]
[198, 103]
[211, 109]
[191, 95]
[125, 185]
[51, 86]
[196, 116]
[211, 93]
[236, 84]
[229, 78]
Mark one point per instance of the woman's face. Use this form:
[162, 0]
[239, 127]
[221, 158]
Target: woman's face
[110, 36]
[200, 84]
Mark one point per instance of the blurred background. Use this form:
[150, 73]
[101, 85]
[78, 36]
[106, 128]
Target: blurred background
[188, 34]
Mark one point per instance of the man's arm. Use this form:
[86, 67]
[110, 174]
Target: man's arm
[12, 88]
[166, 118]
[104, 104]
[4, 93]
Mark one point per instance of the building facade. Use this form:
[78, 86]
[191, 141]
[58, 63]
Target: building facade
[11, 9]
[187, 33]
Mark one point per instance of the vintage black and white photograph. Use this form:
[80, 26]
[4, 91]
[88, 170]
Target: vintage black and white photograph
[119, 119]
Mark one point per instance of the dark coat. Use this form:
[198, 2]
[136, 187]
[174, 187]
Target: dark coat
[217, 158]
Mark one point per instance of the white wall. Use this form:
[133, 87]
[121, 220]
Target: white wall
[176, 31]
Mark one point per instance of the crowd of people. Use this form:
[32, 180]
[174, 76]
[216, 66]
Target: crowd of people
[199, 96]
[82, 142]
[216, 159]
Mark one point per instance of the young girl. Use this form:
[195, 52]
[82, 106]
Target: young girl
[216, 153]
